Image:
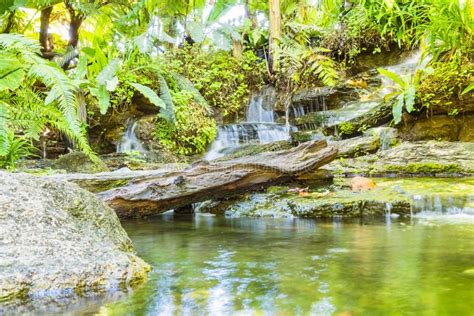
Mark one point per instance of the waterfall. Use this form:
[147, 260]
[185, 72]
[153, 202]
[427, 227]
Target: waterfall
[129, 141]
[436, 206]
[259, 127]
[315, 113]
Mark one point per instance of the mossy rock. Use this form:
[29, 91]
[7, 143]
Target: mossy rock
[59, 242]
[78, 162]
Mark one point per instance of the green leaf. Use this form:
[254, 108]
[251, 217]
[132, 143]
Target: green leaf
[168, 112]
[12, 72]
[392, 76]
[196, 31]
[103, 97]
[397, 109]
[4, 118]
[109, 71]
[149, 94]
[410, 99]
[220, 8]
[81, 69]
[5, 5]
[468, 89]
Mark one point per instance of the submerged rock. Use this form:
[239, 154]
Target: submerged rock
[327, 203]
[59, 241]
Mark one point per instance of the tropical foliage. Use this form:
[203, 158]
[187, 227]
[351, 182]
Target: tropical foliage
[196, 63]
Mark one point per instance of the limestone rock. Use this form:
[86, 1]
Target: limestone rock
[58, 242]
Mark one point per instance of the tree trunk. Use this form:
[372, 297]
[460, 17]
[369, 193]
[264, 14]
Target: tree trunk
[74, 25]
[275, 33]
[157, 191]
[10, 21]
[43, 33]
[249, 14]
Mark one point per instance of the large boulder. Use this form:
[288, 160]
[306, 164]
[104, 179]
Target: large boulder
[59, 241]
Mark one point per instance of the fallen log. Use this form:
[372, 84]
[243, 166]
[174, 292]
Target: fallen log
[178, 189]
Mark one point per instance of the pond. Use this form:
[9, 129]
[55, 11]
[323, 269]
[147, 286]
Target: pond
[216, 265]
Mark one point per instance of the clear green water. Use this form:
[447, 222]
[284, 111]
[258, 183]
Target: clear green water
[213, 265]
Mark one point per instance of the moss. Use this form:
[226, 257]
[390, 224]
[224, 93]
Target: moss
[101, 186]
[424, 168]
[346, 128]
[78, 162]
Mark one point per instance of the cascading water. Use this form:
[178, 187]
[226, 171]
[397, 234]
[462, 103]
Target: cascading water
[130, 141]
[405, 68]
[322, 116]
[259, 128]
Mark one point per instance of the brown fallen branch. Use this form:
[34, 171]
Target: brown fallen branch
[177, 189]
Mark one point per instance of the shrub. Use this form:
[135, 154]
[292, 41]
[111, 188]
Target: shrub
[223, 80]
[193, 129]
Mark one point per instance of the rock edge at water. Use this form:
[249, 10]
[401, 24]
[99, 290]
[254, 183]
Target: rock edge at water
[58, 240]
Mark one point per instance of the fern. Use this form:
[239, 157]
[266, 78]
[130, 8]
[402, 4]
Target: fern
[4, 119]
[63, 93]
[19, 43]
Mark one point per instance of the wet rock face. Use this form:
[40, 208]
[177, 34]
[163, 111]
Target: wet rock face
[439, 127]
[278, 202]
[59, 241]
[432, 158]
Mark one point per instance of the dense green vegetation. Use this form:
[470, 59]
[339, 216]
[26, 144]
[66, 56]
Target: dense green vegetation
[95, 58]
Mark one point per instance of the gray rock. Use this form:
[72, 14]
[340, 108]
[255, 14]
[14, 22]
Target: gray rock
[433, 158]
[57, 241]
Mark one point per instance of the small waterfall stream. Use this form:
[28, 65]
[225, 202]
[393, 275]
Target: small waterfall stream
[320, 112]
[130, 141]
[259, 128]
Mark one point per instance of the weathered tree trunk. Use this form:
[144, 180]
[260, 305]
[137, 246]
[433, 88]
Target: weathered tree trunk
[217, 180]
[275, 33]
[43, 33]
[167, 190]
[76, 19]
[379, 115]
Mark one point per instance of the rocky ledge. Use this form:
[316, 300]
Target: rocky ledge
[59, 241]
[432, 158]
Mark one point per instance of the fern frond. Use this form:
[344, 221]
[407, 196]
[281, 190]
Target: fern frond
[18, 43]
[186, 85]
[63, 93]
[4, 119]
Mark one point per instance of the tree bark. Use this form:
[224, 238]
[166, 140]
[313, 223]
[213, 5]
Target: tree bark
[157, 191]
[275, 33]
[44, 28]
